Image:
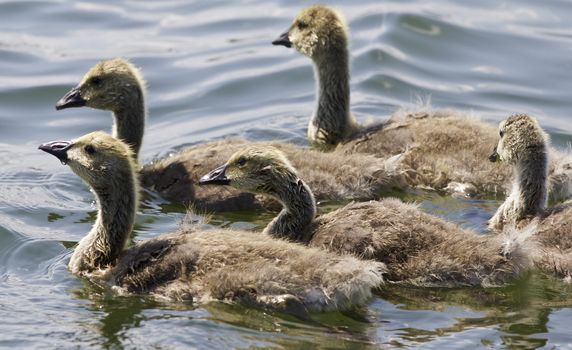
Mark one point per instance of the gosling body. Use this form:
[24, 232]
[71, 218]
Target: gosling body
[335, 177]
[200, 265]
[417, 248]
[441, 149]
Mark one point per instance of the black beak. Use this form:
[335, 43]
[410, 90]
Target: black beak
[71, 99]
[283, 40]
[494, 157]
[58, 149]
[215, 177]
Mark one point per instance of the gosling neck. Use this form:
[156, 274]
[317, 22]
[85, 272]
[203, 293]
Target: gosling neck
[117, 205]
[298, 210]
[530, 183]
[332, 122]
[129, 121]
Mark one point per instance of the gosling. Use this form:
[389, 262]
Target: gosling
[117, 85]
[440, 149]
[524, 146]
[201, 266]
[417, 248]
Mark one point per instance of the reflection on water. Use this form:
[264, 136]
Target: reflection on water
[516, 315]
[212, 72]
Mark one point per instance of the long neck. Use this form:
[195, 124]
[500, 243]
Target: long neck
[129, 122]
[298, 212]
[117, 205]
[531, 184]
[332, 122]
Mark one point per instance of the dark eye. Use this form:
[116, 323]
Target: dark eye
[302, 25]
[89, 149]
[501, 133]
[95, 81]
[241, 161]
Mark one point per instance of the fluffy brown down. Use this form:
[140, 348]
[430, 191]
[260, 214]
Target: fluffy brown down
[331, 176]
[418, 248]
[554, 237]
[235, 265]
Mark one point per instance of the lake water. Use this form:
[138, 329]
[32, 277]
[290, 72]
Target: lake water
[211, 73]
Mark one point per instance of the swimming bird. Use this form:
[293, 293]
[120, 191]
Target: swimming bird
[524, 146]
[117, 85]
[418, 248]
[441, 149]
[201, 265]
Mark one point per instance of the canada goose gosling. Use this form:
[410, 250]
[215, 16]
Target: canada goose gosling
[418, 248]
[117, 197]
[523, 144]
[320, 33]
[114, 85]
[201, 265]
[117, 85]
[432, 148]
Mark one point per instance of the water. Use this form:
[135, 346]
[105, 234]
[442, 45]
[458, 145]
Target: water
[212, 72]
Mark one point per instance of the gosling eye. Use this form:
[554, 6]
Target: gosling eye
[96, 81]
[501, 133]
[241, 161]
[302, 25]
[89, 149]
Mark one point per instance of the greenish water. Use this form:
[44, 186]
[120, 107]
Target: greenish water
[211, 73]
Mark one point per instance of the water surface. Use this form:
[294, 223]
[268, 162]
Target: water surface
[211, 73]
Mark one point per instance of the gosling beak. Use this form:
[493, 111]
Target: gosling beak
[283, 39]
[58, 149]
[215, 177]
[71, 99]
[494, 157]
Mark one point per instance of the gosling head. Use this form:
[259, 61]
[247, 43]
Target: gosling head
[109, 85]
[316, 30]
[254, 169]
[98, 158]
[521, 139]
